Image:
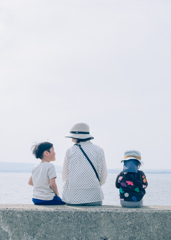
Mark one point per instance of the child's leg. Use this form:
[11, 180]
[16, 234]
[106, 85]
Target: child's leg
[130, 204]
[55, 201]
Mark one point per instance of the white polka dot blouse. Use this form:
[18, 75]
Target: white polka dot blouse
[80, 182]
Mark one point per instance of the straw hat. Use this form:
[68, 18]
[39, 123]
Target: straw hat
[132, 154]
[80, 131]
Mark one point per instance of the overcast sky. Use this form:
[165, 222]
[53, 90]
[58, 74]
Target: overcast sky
[105, 63]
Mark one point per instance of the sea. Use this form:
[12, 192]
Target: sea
[14, 189]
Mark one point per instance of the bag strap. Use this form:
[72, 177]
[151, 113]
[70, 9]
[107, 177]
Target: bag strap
[88, 160]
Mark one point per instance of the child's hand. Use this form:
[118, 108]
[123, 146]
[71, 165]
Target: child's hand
[30, 182]
[119, 179]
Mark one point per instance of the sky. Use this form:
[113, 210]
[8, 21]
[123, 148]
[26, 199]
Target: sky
[105, 63]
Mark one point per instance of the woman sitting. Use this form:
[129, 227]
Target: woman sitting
[84, 169]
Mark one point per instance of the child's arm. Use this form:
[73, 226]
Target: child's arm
[144, 180]
[30, 182]
[118, 179]
[54, 186]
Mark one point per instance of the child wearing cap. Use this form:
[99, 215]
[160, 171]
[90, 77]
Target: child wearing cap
[45, 190]
[131, 182]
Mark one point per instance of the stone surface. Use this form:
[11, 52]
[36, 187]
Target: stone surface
[29, 222]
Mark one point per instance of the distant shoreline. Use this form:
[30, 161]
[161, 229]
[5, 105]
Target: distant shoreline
[9, 167]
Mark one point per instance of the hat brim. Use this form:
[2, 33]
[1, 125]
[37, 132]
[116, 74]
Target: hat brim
[128, 158]
[80, 136]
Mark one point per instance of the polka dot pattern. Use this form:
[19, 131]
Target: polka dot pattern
[134, 199]
[126, 194]
[80, 182]
[131, 186]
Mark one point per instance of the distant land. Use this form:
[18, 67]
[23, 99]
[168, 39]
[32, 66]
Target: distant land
[146, 171]
[21, 167]
[27, 167]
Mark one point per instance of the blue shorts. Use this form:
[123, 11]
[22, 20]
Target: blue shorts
[55, 201]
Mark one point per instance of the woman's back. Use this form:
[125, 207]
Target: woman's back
[81, 184]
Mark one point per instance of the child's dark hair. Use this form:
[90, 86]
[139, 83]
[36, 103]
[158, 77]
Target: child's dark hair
[39, 149]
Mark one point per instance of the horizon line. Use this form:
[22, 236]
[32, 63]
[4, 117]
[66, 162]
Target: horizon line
[148, 169]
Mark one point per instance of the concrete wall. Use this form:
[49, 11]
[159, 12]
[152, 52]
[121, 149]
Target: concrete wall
[29, 222]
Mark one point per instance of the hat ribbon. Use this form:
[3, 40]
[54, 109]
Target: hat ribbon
[79, 132]
[139, 158]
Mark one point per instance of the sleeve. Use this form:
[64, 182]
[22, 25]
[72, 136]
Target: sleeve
[65, 170]
[103, 172]
[144, 180]
[117, 183]
[51, 172]
[32, 171]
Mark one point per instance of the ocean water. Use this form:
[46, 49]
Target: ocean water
[14, 189]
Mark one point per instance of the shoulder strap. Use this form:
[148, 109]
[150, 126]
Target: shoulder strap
[89, 161]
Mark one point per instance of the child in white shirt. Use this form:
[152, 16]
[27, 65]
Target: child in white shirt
[45, 190]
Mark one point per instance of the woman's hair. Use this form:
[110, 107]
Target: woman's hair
[83, 140]
[39, 149]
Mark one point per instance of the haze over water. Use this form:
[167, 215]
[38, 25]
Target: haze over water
[15, 189]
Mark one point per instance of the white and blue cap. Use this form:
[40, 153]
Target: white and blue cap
[132, 154]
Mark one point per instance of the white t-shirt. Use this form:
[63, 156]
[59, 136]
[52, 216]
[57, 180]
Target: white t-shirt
[41, 175]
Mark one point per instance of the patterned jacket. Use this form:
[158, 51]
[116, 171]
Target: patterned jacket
[131, 185]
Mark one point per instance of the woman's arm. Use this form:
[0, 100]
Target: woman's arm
[65, 170]
[103, 174]
[30, 182]
[54, 186]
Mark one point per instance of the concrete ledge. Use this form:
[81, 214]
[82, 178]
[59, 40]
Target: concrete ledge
[29, 222]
